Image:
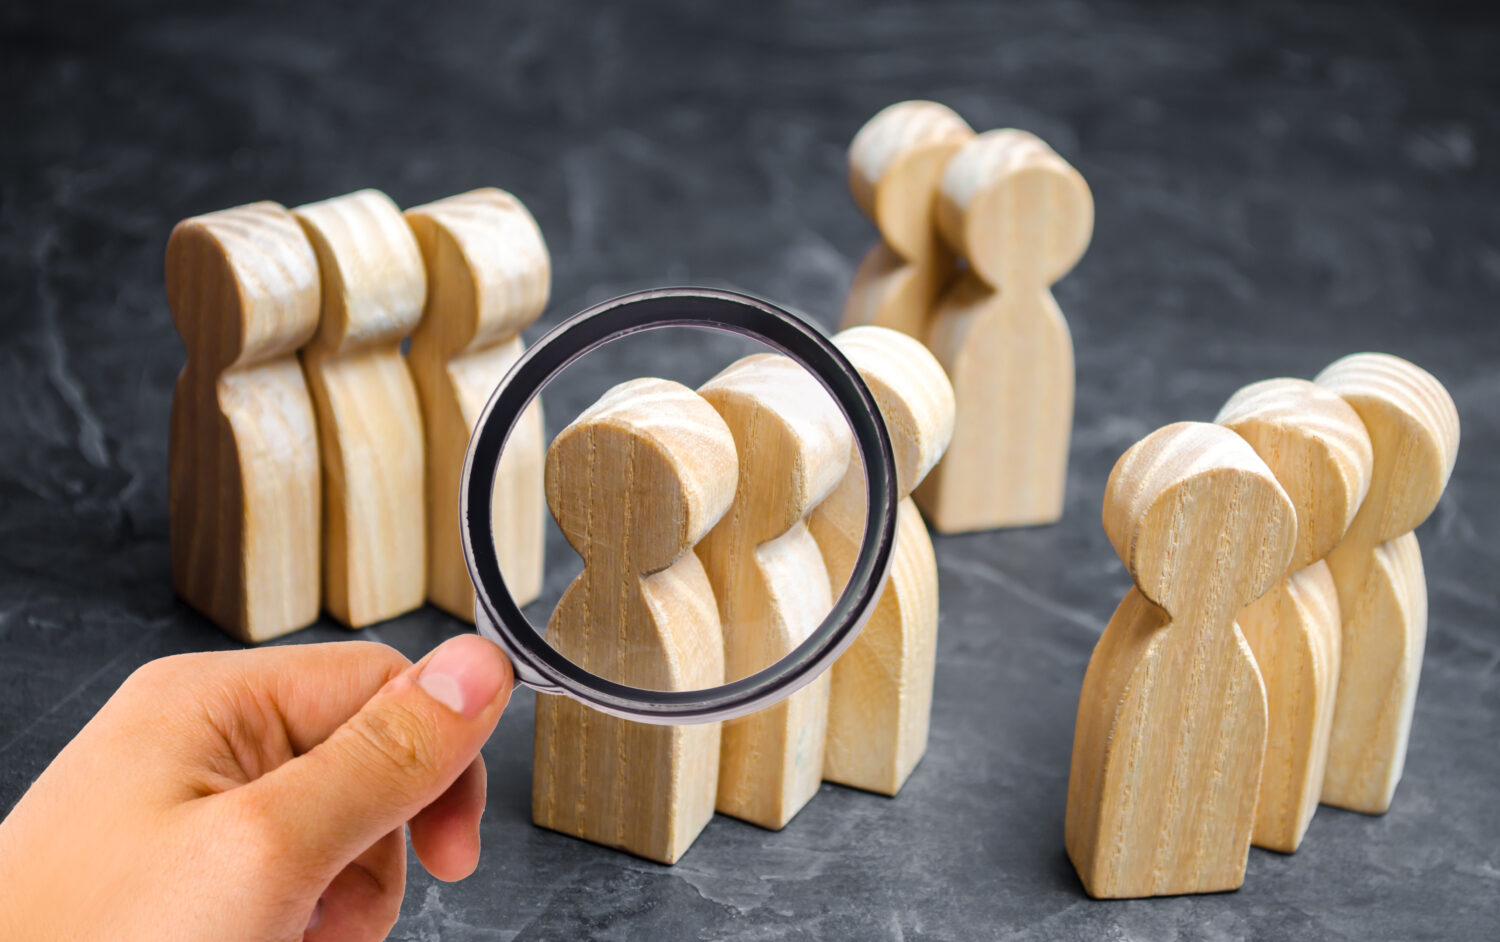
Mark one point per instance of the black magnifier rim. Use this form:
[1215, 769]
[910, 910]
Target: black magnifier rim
[649, 310]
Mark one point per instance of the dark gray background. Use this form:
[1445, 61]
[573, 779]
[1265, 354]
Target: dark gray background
[1276, 186]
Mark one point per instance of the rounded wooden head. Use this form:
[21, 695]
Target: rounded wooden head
[641, 475]
[1199, 520]
[895, 162]
[1317, 447]
[489, 274]
[374, 282]
[242, 284]
[1413, 426]
[1015, 209]
[914, 395]
[793, 441]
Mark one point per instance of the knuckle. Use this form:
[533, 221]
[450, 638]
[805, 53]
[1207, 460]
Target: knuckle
[380, 653]
[395, 738]
[163, 673]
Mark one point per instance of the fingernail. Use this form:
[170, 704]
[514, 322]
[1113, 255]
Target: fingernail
[464, 674]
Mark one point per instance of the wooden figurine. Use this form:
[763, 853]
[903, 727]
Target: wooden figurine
[1320, 453]
[633, 483]
[369, 421]
[1377, 568]
[880, 693]
[243, 459]
[895, 163]
[769, 578]
[1022, 216]
[488, 276]
[1172, 718]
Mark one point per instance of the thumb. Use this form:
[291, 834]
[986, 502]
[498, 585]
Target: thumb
[391, 759]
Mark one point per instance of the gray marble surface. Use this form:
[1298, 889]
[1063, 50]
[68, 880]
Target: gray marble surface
[1276, 185]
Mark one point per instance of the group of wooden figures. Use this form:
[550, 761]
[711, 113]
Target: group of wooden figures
[1267, 658]
[311, 460]
[975, 229]
[716, 528]
[311, 464]
[952, 323]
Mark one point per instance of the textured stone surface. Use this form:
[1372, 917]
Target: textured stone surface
[1275, 186]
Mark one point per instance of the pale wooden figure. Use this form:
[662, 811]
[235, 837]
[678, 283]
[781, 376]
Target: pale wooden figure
[1022, 216]
[369, 421]
[633, 483]
[1172, 718]
[895, 163]
[880, 693]
[1320, 453]
[1382, 588]
[242, 468]
[769, 578]
[488, 276]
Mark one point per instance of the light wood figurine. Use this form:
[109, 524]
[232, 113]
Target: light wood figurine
[895, 163]
[488, 276]
[1171, 726]
[369, 421]
[1320, 453]
[633, 482]
[880, 694]
[1377, 568]
[1022, 217]
[243, 456]
[769, 578]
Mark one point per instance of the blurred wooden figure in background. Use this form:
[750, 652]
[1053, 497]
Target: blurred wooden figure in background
[1317, 447]
[488, 277]
[369, 421]
[895, 163]
[880, 697]
[242, 474]
[1022, 217]
[1377, 567]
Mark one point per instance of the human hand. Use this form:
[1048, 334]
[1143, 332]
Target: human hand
[257, 795]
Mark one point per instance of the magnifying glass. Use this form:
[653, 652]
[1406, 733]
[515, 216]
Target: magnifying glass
[541, 666]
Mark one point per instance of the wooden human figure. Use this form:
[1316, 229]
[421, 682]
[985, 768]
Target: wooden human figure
[1320, 453]
[242, 469]
[633, 483]
[1022, 217]
[1172, 718]
[880, 691]
[488, 277]
[895, 162]
[369, 420]
[1377, 568]
[769, 578]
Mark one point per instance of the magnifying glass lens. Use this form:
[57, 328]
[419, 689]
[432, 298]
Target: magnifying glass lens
[710, 523]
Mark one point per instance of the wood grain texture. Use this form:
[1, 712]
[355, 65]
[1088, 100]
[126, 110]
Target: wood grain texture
[1377, 567]
[1319, 451]
[369, 420]
[769, 577]
[634, 482]
[895, 163]
[488, 277]
[1171, 728]
[1022, 217]
[880, 692]
[242, 462]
